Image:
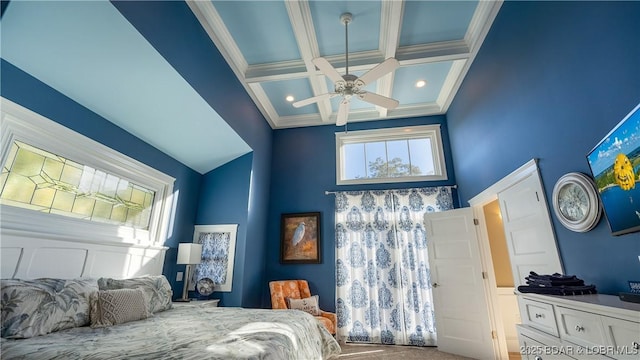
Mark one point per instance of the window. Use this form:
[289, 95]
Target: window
[390, 155]
[57, 181]
[37, 179]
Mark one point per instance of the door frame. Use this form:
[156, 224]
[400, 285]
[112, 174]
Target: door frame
[477, 203]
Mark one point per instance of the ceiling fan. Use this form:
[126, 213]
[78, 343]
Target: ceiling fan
[349, 85]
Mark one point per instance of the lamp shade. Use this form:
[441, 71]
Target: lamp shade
[189, 253]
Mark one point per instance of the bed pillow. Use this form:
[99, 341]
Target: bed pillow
[113, 307]
[41, 306]
[157, 290]
[309, 305]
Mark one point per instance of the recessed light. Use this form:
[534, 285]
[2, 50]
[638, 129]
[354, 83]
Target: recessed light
[289, 98]
[420, 83]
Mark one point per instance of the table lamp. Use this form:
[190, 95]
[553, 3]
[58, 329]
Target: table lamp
[189, 254]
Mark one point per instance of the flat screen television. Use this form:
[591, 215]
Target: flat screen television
[615, 166]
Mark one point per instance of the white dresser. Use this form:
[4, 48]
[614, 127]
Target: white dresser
[578, 327]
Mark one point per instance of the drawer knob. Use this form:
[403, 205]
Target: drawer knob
[635, 345]
[539, 316]
[537, 358]
[435, 285]
[579, 328]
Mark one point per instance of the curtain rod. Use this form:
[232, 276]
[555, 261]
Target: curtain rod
[448, 186]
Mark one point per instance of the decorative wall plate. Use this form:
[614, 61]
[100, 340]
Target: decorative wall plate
[205, 286]
[576, 202]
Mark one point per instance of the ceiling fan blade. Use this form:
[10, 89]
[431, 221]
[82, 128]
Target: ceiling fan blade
[375, 99]
[381, 69]
[327, 69]
[343, 113]
[313, 99]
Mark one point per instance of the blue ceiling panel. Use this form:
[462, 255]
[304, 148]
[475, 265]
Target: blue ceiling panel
[269, 38]
[277, 91]
[364, 30]
[434, 21]
[434, 74]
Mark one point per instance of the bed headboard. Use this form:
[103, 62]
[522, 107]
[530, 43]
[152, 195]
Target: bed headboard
[25, 255]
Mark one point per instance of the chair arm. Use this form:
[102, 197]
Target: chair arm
[329, 315]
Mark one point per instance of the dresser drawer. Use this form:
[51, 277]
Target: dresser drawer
[535, 345]
[580, 327]
[623, 338]
[538, 315]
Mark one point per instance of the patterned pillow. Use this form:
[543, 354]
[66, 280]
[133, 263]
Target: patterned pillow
[157, 290]
[309, 305]
[113, 307]
[37, 307]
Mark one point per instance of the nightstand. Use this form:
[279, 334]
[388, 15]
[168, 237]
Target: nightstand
[198, 302]
[206, 302]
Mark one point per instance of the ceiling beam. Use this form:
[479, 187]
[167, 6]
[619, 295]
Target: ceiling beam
[390, 27]
[305, 34]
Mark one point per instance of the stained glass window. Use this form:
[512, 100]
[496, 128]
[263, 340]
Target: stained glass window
[40, 180]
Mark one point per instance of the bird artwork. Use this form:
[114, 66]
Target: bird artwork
[298, 234]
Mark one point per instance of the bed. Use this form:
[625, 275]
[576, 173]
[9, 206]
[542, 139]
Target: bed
[91, 280]
[187, 332]
[174, 331]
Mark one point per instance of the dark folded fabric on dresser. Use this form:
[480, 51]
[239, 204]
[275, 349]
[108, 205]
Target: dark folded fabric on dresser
[559, 290]
[553, 280]
[556, 284]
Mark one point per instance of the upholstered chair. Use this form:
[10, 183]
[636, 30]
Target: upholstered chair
[298, 289]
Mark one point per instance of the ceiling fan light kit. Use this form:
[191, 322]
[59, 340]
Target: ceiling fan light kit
[349, 85]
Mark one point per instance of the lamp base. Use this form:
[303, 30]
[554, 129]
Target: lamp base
[182, 300]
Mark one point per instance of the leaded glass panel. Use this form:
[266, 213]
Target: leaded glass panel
[40, 180]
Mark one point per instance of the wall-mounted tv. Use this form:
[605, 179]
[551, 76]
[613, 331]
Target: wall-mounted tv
[615, 166]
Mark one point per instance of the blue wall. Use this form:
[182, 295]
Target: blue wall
[551, 80]
[304, 167]
[29, 92]
[172, 28]
[232, 197]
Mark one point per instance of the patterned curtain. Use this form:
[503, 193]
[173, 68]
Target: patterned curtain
[382, 271]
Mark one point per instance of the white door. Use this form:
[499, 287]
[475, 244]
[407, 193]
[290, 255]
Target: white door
[462, 319]
[530, 238]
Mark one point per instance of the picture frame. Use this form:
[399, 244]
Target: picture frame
[300, 240]
[218, 255]
[614, 163]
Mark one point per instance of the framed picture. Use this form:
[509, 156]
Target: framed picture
[218, 254]
[300, 238]
[615, 166]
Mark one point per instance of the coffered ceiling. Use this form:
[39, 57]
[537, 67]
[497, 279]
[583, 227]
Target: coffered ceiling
[270, 46]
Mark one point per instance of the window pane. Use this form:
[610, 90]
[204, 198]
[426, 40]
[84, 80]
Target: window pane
[354, 161]
[421, 156]
[36, 179]
[376, 158]
[398, 154]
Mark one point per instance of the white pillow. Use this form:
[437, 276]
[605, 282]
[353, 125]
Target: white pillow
[309, 305]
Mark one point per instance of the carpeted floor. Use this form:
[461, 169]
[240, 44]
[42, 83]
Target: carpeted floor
[391, 352]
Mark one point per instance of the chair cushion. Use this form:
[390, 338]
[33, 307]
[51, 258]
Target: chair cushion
[309, 305]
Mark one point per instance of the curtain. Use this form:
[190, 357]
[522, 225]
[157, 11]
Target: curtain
[383, 288]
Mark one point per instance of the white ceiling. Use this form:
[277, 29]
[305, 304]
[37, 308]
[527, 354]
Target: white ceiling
[270, 46]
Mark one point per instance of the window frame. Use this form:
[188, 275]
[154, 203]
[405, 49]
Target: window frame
[21, 124]
[390, 134]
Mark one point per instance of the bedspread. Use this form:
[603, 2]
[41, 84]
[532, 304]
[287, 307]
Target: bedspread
[188, 332]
